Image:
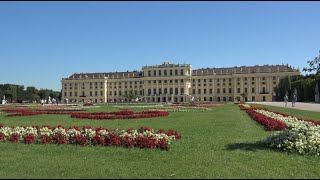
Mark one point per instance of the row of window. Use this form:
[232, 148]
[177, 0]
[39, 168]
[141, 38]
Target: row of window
[82, 100]
[230, 90]
[175, 99]
[125, 92]
[76, 84]
[218, 84]
[181, 99]
[83, 94]
[115, 87]
[165, 91]
[167, 73]
[96, 87]
[230, 79]
[166, 81]
[129, 82]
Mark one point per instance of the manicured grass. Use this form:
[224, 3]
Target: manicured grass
[221, 143]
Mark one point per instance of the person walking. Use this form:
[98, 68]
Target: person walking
[285, 100]
[294, 99]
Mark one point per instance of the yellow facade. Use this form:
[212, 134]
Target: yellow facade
[177, 83]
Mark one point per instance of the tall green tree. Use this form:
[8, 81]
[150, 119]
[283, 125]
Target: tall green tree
[131, 95]
[31, 91]
[11, 93]
[21, 93]
[284, 87]
[44, 93]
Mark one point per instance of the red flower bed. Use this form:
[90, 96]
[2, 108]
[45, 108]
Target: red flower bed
[120, 115]
[30, 112]
[123, 114]
[269, 123]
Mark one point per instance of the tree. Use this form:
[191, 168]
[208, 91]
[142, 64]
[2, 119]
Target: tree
[30, 92]
[314, 65]
[44, 93]
[244, 95]
[21, 93]
[130, 95]
[11, 93]
[284, 87]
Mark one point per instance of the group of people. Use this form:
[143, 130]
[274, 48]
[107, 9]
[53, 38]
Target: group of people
[53, 101]
[293, 100]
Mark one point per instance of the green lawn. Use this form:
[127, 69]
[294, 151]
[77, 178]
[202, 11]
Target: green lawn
[221, 143]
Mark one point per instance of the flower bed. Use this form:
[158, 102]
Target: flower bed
[180, 109]
[196, 104]
[300, 136]
[301, 140]
[142, 106]
[144, 137]
[269, 123]
[205, 105]
[31, 112]
[307, 120]
[272, 119]
[124, 114]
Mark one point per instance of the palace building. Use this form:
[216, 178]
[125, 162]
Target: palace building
[177, 83]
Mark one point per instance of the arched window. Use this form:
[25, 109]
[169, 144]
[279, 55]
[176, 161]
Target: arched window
[149, 91]
[165, 91]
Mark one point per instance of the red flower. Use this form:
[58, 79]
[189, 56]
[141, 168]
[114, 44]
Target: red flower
[98, 140]
[29, 138]
[163, 144]
[79, 139]
[60, 139]
[14, 137]
[2, 137]
[45, 139]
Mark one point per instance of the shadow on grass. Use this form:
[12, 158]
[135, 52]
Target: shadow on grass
[259, 145]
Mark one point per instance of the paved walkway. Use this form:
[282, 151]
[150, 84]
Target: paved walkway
[299, 105]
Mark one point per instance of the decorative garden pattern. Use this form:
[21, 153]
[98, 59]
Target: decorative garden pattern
[122, 114]
[144, 137]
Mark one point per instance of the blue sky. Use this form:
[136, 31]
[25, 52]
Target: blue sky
[42, 42]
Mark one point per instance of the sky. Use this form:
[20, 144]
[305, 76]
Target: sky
[43, 42]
